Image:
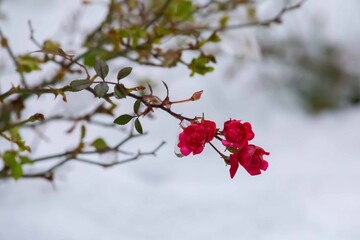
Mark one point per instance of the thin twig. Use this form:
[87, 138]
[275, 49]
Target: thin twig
[13, 58]
[67, 153]
[136, 157]
[265, 23]
[32, 38]
[70, 119]
[48, 174]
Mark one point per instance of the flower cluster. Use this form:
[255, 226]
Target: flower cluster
[235, 136]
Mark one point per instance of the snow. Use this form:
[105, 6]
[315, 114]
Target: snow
[309, 191]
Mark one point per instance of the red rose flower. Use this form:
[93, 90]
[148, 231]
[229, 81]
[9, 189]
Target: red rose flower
[210, 129]
[237, 134]
[194, 137]
[251, 158]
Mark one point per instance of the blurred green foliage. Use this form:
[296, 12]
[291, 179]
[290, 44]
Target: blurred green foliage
[315, 72]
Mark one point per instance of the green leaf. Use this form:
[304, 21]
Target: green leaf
[124, 72]
[101, 68]
[123, 119]
[99, 144]
[14, 133]
[138, 126]
[27, 63]
[137, 34]
[132, 4]
[179, 155]
[101, 89]
[83, 132]
[223, 21]
[251, 13]
[9, 157]
[214, 38]
[120, 91]
[51, 45]
[90, 59]
[184, 9]
[16, 138]
[16, 171]
[137, 106]
[78, 85]
[123, 33]
[22, 146]
[199, 65]
[25, 159]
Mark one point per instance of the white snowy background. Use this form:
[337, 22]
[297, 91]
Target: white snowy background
[310, 191]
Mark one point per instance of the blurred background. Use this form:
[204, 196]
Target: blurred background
[296, 82]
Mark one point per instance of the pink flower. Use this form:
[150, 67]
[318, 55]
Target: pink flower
[194, 137]
[251, 158]
[237, 134]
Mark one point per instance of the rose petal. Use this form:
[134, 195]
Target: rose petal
[182, 139]
[249, 132]
[198, 150]
[226, 143]
[264, 165]
[253, 171]
[234, 165]
[185, 151]
[246, 154]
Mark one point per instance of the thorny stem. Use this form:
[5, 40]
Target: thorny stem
[162, 107]
[27, 91]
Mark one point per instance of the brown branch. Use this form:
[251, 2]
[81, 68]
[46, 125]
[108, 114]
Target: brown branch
[74, 153]
[49, 173]
[136, 157]
[162, 107]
